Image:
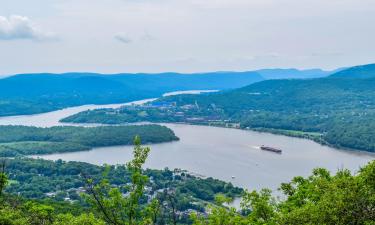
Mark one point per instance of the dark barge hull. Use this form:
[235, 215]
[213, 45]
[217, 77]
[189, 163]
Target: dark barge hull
[270, 149]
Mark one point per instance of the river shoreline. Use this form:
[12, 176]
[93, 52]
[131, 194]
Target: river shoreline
[286, 133]
[227, 154]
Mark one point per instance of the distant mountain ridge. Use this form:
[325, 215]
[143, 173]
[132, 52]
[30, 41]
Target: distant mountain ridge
[36, 93]
[362, 71]
[24, 85]
[273, 73]
[42, 92]
[293, 73]
[334, 110]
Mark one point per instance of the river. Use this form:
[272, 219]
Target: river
[228, 154]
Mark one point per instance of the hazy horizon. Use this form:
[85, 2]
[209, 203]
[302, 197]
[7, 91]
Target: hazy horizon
[162, 72]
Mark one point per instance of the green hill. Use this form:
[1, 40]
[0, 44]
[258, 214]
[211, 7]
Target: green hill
[36, 93]
[333, 110]
[363, 71]
[342, 110]
[22, 140]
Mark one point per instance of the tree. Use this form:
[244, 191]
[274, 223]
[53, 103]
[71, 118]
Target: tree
[3, 178]
[321, 198]
[39, 214]
[153, 210]
[118, 208]
[84, 219]
[262, 207]
[220, 215]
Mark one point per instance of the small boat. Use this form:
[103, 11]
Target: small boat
[233, 177]
[270, 149]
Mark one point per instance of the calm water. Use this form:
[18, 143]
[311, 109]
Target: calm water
[52, 118]
[218, 152]
[223, 153]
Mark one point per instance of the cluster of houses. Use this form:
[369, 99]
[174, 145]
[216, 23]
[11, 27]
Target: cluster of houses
[148, 191]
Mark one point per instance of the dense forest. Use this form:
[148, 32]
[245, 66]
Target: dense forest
[129, 195]
[335, 110]
[22, 140]
[40, 179]
[36, 93]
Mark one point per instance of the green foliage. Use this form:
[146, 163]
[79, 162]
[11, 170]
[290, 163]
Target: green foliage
[19, 211]
[9, 216]
[38, 214]
[219, 216]
[38, 147]
[109, 202]
[21, 140]
[326, 199]
[262, 206]
[3, 178]
[43, 179]
[152, 211]
[83, 219]
[319, 199]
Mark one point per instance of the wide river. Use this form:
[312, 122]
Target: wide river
[227, 154]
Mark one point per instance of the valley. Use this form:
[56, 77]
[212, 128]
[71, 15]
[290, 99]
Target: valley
[337, 110]
[182, 170]
[236, 151]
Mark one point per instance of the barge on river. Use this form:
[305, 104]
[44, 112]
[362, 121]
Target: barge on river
[270, 149]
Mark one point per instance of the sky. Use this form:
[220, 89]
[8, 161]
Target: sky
[112, 36]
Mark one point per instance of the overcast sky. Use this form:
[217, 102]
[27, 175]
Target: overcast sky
[112, 36]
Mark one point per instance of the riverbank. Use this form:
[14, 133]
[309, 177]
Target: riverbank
[231, 155]
[167, 111]
[22, 140]
[313, 136]
[216, 152]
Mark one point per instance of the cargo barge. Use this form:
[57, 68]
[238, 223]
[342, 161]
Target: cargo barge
[270, 149]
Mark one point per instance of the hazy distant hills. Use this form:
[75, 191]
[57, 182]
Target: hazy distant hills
[363, 71]
[44, 83]
[293, 73]
[35, 93]
[276, 73]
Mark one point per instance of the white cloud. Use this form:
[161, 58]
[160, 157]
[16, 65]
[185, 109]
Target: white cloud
[21, 27]
[147, 37]
[123, 38]
[217, 34]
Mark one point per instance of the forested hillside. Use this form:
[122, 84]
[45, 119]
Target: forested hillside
[64, 182]
[36, 93]
[337, 110]
[22, 140]
[363, 71]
